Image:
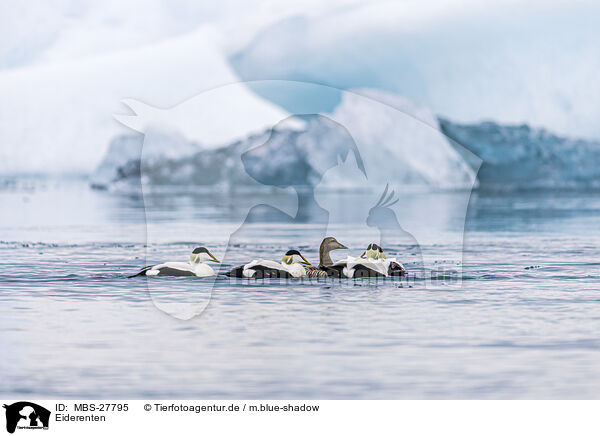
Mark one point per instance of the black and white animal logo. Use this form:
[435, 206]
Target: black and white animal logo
[26, 415]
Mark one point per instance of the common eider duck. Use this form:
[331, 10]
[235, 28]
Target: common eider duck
[371, 263]
[261, 268]
[195, 266]
[324, 269]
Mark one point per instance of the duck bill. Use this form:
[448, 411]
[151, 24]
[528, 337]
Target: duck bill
[341, 247]
[213, 258]
[305, 262]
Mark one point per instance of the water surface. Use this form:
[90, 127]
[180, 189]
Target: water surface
[523, 323]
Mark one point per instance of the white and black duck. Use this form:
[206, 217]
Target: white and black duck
[371, 263]
[195, 266]
[290, 267]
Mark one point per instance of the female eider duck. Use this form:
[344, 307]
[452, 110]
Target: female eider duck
[261, 268]
[324, 269]
[195, 267]
[371, 263]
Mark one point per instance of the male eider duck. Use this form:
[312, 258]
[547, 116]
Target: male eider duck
[371, 263]
[261, 268]
[195, 267]
[324, 269]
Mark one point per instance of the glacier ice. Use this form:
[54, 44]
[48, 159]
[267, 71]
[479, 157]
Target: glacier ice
[61, 77]
[518, 157]
[403, 142]
[535, 64]
[58, 117]
[391, 141]
[413, 150]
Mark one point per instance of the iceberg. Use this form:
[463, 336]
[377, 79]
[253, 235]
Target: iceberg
[391, 140]
[536, 64]
[398, 143]
[403, 143]
[519, 157]
[57, 117]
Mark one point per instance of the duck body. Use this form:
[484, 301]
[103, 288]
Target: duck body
[357, 267]
[262, 268]
[354, 267]
[372, 263]
[318, 271]
[178, 269]
[195, 266]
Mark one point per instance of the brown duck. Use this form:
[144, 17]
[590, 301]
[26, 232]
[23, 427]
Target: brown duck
[324, 269]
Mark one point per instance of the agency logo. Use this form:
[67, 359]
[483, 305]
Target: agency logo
[26, 415]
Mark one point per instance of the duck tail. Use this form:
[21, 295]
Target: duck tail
[141, 273]
[235, 272]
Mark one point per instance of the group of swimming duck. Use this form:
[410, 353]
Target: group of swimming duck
[371, 263]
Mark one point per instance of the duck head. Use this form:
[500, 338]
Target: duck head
[328, 244]
[372, 252]
[201, 254]
[288, 258]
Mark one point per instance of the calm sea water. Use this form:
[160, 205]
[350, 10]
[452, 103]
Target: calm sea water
[524, 322]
